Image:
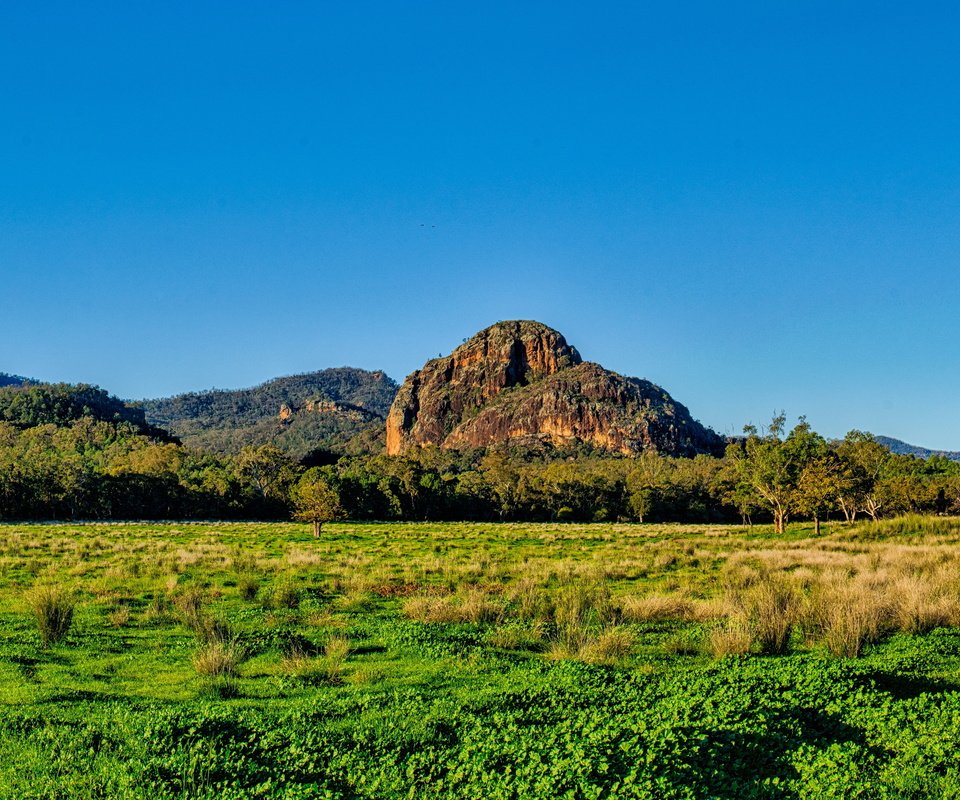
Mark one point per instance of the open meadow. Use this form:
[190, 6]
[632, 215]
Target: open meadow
[467, 660]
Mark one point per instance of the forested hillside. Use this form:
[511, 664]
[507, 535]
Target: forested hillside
[77, 452]
[902, 448]
[299, 413]
[29, 405]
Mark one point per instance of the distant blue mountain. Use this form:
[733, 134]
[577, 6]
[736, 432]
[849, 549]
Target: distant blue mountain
[904, 449]
[14, 380]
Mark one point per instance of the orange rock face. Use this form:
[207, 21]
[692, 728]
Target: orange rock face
[521, 382]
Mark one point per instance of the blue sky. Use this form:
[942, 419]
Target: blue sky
[751, 204]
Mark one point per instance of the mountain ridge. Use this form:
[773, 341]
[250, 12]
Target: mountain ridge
[901, 447]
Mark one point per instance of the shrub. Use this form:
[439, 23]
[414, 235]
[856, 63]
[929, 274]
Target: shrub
[52, 607]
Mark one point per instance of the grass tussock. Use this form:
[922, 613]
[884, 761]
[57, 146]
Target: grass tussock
[517, 637]
[771, 608]
[119, 617]
[188, 603]
[52, 608]
[579, 608]
[732, 637]
[286, 595]
[248, 586]
[656, 607]
[305, 664]
[610, 646]
[219, 659]
[849, 619]
[471, 605]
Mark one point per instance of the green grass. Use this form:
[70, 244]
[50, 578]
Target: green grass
[567, 661]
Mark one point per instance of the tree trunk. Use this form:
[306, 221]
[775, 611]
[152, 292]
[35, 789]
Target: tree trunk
[779, 520]
[849, 510]
[816, 525]
[316, 528]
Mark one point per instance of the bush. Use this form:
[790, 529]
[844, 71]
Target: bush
[52, 608]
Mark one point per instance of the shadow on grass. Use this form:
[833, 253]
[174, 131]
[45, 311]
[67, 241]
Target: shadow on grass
[903, 687]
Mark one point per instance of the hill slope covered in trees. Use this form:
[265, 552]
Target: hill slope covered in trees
[29, 405]
[904, 449]
[298, 413]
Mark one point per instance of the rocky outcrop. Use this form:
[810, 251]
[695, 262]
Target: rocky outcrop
[329, 407]
[520, 382]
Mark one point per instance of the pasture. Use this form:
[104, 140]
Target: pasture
[455, 660]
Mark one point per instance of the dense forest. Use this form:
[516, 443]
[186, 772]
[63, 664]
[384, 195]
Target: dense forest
[75, 452]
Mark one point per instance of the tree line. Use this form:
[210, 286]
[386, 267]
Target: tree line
[88, 468]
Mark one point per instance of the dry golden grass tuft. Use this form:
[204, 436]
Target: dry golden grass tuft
[610, 646]
[468, 605]
[656, 607]
[219, 659]
[771, 608]
[733, 637]
[52, 608]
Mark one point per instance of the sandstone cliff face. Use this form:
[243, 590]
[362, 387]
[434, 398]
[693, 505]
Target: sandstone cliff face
[521, 382]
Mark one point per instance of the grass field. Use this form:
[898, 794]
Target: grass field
[479, 661]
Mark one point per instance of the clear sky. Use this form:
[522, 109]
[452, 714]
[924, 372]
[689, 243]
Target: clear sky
[755, 205]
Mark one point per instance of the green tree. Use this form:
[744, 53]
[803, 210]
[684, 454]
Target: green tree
[819, 486]
[267, 469]
[316, 500]
[769, 465]
[865, 460]
[649, 475]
